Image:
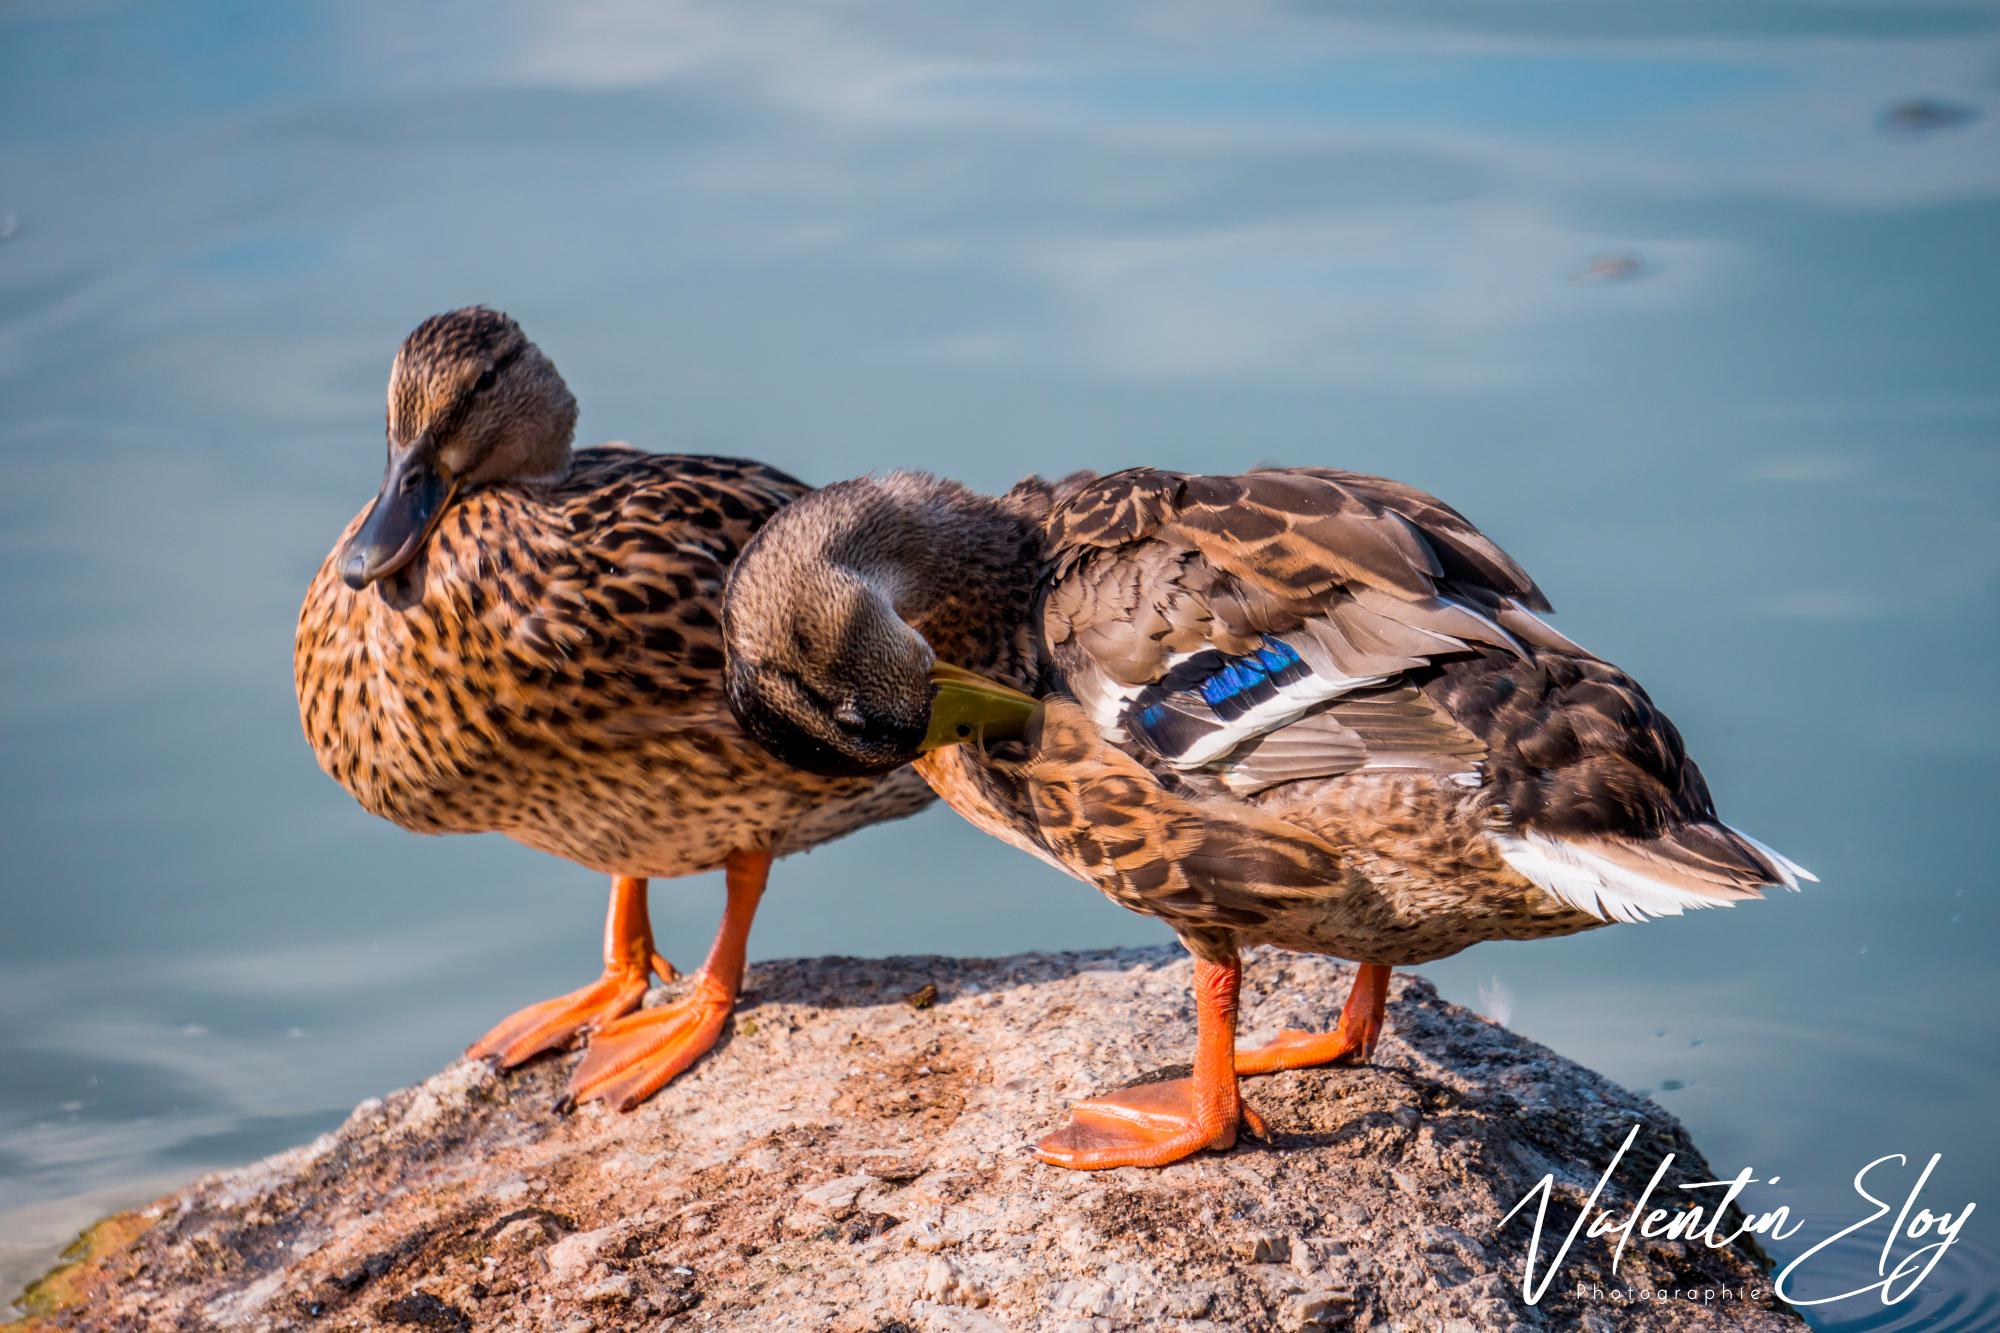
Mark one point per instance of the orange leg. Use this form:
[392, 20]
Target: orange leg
[1156, 1123]
[628, 959]
[1360, 1027]
[633, 1058]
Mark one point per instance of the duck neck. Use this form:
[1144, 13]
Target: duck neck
[960, 568]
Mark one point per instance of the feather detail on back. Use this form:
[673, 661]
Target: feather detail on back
[1201, 617]
[1290, 626]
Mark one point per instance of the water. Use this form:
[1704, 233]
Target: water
[1693, 307]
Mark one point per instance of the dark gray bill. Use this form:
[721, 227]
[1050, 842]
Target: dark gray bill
[414, 493]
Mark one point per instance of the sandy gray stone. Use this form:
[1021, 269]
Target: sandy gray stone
[847, 1161]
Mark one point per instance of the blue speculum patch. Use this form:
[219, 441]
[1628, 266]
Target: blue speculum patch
[1268, 664]
[1230, 686]
[1249, 680]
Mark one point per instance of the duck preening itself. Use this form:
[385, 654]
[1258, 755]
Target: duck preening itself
[518, 637]
[1298, 707]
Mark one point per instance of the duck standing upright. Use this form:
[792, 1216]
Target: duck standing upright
[1298, 707]
[522, 638]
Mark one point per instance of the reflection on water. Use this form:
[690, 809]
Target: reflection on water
[1691, 306]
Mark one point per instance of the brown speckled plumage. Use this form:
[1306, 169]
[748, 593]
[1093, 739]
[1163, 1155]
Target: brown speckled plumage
[1303, 708]
[1451, 723]
[549, 668]
[548, 665]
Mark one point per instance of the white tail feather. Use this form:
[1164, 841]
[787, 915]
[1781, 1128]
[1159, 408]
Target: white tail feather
[1789, 871]
[1596, 884]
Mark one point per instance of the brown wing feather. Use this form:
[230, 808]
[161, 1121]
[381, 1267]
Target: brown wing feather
[1468, 557]
[1397, 728]
[1296, 532]
[1367, 578]
[1380, 577]
[1104, 817]
[645, 545]
[1370, 579]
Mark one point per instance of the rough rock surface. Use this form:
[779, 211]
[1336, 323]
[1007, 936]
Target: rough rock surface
[857, 1156]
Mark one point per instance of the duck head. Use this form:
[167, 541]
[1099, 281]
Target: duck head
[824, 669]
[471, 402]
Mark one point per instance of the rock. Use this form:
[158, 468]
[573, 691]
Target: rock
[947, 1283]
[824, 1204]
[520, 1236]
[568, 1261]
[837, 1197]
[1262, 1247]
[1316, 1309]
[856, 1163]
[618, 1290]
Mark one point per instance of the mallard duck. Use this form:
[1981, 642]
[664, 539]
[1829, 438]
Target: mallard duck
[518, 637]
[1299, 707]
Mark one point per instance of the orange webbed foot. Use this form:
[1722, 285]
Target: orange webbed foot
[552, 1023]
[1354, 1037]
[631, 1059]
[1301, 1050]
[628, 956]
[1148, 1125]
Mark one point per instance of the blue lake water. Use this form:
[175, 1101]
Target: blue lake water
[1694, 307]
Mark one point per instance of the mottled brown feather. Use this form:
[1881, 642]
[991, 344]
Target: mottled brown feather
[549, 668]
[1374, 825]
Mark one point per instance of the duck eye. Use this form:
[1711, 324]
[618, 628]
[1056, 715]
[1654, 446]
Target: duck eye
[485, 380]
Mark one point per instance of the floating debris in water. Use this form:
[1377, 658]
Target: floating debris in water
[1496, 1001]
[1671, 1085]
[1622, 266]
[1926, 115]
